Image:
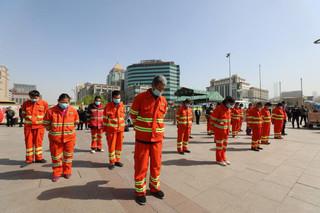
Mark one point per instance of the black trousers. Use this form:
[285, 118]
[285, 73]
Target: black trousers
[303, 118]
[198, 120]
[284, 127]
[295, 119]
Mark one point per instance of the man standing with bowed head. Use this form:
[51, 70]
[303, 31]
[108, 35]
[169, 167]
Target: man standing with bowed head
[113, 117]
[33, 111]
[147, 112]
[221, 119]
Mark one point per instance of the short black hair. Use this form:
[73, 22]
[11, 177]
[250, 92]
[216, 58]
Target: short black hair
[34, 93]
[63, 96]
[187, 101]
[258, 104]
[97, 97]
[115, 93]
[241, 105]
[268, 104]
[250, 104]
[279, 105]
[228, 99]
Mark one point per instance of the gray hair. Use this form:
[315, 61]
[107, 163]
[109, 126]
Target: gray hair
[159, 79]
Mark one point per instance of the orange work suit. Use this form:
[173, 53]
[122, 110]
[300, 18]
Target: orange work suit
[113, 117]
[62, 136]
[33, 113]
[235, 121]
[266, 122]
[241, 118]
[277, 119]
[96, 125]
[221, 119]
[184, 123]
[255, 122]
[148, 112]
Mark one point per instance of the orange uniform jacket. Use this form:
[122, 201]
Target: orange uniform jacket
[147, 113]
[34, 113]
[61, 124]
[220, 118]
[113, 117]
[184, 116]
[255, 119]
[266, 116]
[277, 115]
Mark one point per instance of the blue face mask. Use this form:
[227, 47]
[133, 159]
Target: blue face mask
[156, 92]
[116, 100]
[97, 103]
[63, 105]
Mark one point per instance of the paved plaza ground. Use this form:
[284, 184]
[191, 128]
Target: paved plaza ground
[284, 177]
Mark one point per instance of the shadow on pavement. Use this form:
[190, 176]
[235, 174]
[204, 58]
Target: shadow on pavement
[84, 164]
[240, 143]
[169, 152]
[170, 138]
[128, 143]
[8, 162]
[231, 149]
[200, 142]
[185, 162]
[29, 174]
[91, 190]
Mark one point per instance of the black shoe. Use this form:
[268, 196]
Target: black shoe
[158, 194]
[111, 166]
[181, 153]
[187, 151]
[118, 164]
[141, 200]
[190, 137]
[40, 161]
[257, 150]
[260, 148]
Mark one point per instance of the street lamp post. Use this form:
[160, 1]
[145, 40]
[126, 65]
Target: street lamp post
[260, 81]
[230, 83]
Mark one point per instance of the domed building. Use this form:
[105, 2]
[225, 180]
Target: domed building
[116, 76]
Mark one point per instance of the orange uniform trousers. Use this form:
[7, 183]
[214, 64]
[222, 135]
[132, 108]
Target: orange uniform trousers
[236, 125]
[221, 147]
[33, 142]
[143, 153]
[278, 124]
[96, 138]
[115, 141]
[256, 137]
[183, 137]
[62, 155]
[265, 133]
[209, 127]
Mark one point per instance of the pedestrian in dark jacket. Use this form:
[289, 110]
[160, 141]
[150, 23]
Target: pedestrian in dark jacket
[295, 116]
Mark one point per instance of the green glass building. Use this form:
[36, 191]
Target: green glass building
[142, 74]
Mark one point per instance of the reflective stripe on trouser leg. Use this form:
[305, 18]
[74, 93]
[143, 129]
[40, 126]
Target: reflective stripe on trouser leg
[38, 138]
[68, 150]
[56, 150]
[219, 150]
[112, 140]
[186, 138]
[119, 142]
[99, 138]
[141, 160]
[155, 166]
[94, 138]
[28, 136]
[180, 137]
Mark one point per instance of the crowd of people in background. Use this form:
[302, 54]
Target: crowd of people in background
[297, 115]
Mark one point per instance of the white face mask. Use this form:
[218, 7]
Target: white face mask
[229, 106]
[156, 92]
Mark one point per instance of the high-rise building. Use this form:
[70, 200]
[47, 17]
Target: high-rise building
[20, 92]
[4, 81]
[142, 74]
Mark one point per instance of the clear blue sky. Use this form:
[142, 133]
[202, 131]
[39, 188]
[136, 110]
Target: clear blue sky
[57, 44]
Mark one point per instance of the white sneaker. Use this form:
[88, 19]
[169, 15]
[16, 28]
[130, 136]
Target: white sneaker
[102, 150]
[221, 163]
[228, 162]
[93, 151]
